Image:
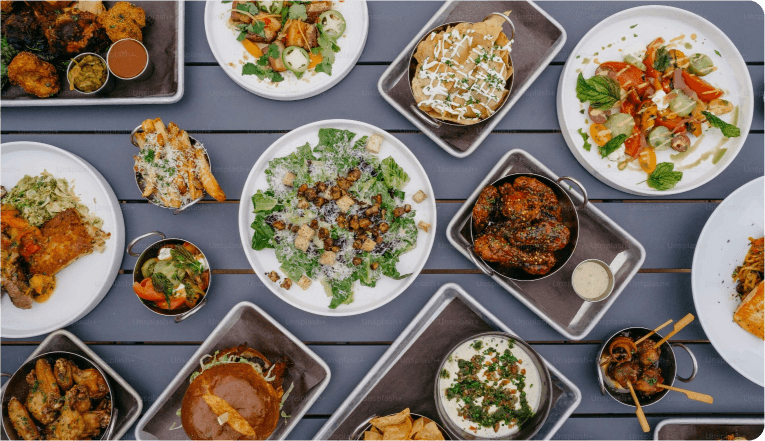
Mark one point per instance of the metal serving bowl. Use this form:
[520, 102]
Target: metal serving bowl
[667, 363]
[545, 403]
[141, 183]
[108, 84]
[18, 387]
[183, 312]
[570, 214]
[413, 71]
[358, 434]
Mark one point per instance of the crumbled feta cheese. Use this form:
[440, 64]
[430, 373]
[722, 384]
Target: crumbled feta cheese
[617, 154]
[660, 98]
[164, 254]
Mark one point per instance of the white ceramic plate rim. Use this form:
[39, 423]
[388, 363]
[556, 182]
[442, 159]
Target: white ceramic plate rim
[115, 244]
[746, 109]
[709, 324]
[360, 128]
[309, 90]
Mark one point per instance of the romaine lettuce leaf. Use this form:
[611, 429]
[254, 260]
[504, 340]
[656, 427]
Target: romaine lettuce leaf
[263, 203]
[394, 176]
[295, 262]
[341, 291]
[263, 235]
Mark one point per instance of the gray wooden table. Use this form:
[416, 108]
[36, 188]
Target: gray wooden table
[148, 350]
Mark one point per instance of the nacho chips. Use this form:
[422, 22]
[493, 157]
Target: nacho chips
[402, 426]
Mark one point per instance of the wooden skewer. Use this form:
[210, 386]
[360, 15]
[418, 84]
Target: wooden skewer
[704, 398]
[641, 416]
[653, 332]
[678, 326]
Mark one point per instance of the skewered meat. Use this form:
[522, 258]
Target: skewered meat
[34, 75]
[492, 248]
[43, 399]
[648, 352]
[21, 420]
[73, 31]
[623, 372]
[542, 236]
[484, 207]
[517, 206]
[648, 381]
[622, 349]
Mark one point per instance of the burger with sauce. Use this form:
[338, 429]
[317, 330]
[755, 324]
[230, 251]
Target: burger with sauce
[236, 395]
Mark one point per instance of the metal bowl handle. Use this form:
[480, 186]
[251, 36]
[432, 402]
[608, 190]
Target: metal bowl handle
[183, 316]
[693, 360]
[479, 262]
[132, 136]
[141, 237]
[424, 116]
[512, 26]
[581, 189]
[356, 434]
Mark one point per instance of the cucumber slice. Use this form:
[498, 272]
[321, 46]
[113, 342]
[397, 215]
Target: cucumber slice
[620, 124]
[147, 269]
[700, 64]
[681, 104]
[635, 62]
[660, 138]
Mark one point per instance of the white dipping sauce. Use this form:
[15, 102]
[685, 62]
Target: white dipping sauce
[590, 280]
[466, 351]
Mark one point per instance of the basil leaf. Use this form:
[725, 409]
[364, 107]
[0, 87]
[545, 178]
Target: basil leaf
[585, 137]
[661, 61]
[612, 145]
[601, 91]
[664, 177]
[728, 130]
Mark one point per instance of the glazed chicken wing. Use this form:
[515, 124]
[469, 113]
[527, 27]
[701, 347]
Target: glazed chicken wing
[123, 20]
[21, 420]
[493, 248]
[549, 206]
[517, 207]
[92, 380]
[484, 207]
[34, 75]
[542, 236]
[43, 399]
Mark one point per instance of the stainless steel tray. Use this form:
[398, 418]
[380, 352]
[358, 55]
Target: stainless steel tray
[450, 316]
[127, 401]
[709, 428]
[538, 38]
[552, 298]
[164, 39]
[245, 323]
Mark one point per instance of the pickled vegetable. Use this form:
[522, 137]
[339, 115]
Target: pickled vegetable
[681, 104]
[620, 124]
[660, 138]
[88, 74]
[700, 64]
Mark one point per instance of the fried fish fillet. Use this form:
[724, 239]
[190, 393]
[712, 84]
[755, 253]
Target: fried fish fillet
[66, 238]
[749, 314]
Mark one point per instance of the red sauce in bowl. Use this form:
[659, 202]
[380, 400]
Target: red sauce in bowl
[127, 58]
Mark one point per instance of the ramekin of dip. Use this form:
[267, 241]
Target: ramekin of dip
[504, 366]
[592, 280]
[128, 59]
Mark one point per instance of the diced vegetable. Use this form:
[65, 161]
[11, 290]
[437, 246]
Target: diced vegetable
[635, 62]
[700, 64]
[296, 59]
[659, 138]
[627, 74]
[678, 59]
[681, 104]
[720, 106]
[315, 60]
[648, 112]
[252, 48]
[620, 124]
[632, 144]
[705, 91]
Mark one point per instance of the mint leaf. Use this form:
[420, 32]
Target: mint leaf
[612, 145]
[664, 177]
[728, 130]
[661, 61]
[601, 91]
[585, 137]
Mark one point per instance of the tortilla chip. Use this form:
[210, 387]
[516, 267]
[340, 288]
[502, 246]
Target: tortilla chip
[398, 431]
[430, 432]
[383, 422]
[372, 435]
[417, 426]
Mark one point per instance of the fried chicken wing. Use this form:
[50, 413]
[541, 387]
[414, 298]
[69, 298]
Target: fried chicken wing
[517, 207]
[63, 372]
[21, 420]
[43, 399]
[493, 248]
[79, 398]
[34, 75]
[92, 380]
[70, 425]
[22, 30]
[94, 421]
[73, 31]
[123, 20]
[484, 207]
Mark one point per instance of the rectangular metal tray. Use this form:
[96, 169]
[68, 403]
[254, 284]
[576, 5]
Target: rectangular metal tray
[127, 401]
[552, 298]
[709, 428]
[245, 323]
[538, 38]
[404, 376]
[164, 38]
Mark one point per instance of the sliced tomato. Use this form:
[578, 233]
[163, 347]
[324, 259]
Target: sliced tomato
[632, 144]
[650, 52]
[145, 290]
[175, 302]
[627, 74]
[671, 123]
[631, 102]
[704, 90]
[647, 159]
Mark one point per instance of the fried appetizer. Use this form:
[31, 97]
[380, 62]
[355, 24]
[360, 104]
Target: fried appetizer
[34, 75]
[73, 31]
[65, 239]
[44, 396]
[123, 20]
[6, 6]
[749, 314]
[21, 420]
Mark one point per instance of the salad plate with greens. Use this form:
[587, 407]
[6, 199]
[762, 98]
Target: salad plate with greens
[337, 217]
[655, 101]
[286, 50]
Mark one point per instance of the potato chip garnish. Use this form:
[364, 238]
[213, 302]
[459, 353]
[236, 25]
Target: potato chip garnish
[383, 422]
[372, 435]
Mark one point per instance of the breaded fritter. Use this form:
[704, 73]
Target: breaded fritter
[73, 31]
[34, 75]
[6, 6]
[65, 239]
[123, 20]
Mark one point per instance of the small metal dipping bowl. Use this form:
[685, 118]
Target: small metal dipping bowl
[609, 288]
[105, 88]
[148, 69]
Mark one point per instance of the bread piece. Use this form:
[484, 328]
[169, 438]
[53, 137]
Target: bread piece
[749, 314]
[419, 196]
[373, 143]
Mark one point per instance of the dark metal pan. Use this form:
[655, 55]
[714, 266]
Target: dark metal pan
[570, 215]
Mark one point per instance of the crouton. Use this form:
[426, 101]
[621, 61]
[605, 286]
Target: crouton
[302, 243]
[345, 203]
[287, 284]
[306, 231]
[424, 226]
[419, 196]
[303, 204]
[327, 258]
[368, 245]
[273, 276]
[373, 143]
[304, 282]
[288, 179]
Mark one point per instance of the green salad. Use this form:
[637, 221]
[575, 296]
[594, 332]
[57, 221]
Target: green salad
[335, 213]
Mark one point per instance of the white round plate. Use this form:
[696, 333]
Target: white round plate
[81, 285]
[605, 39]
[231, 55]
[314, 299]
[721, 247]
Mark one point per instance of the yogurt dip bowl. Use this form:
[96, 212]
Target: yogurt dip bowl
[512, 364]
